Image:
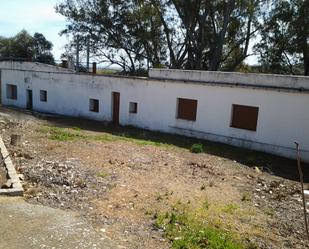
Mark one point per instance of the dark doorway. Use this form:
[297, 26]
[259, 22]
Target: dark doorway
[116, 105]
[29, 100]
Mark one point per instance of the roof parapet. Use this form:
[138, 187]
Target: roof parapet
[262, 80]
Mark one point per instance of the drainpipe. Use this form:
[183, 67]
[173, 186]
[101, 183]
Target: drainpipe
[77, 54]
[88, 55]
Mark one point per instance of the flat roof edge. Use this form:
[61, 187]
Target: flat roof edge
[293, 88]
[229, 73]
[269, 80]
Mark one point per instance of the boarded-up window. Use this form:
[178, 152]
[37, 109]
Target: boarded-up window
[43, 95]
[133, 107]
[187, 109]
[94, 105]
[11, 91]
[245, 117]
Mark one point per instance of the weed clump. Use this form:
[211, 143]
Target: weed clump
[246, 197]
[62, 134]
[102, 174]
[184, 230]
[197, 148]
[229, 208]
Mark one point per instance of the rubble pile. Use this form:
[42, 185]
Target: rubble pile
[52, 173]
[61, 184]
[282, 201]
[277, 190]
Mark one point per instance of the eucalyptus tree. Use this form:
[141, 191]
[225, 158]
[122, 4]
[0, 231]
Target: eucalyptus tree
[284, 43]
[189, 34]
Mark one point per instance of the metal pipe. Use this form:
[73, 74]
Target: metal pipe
[77, 54]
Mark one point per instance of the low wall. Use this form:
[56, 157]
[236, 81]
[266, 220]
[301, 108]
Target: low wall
[32, 66]
[266, 80]
[17, 188]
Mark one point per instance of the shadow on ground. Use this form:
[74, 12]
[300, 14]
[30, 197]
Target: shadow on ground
[276, 165]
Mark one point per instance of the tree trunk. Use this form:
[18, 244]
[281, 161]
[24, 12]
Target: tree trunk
[306, 66]
[219, 41]
[306, 59]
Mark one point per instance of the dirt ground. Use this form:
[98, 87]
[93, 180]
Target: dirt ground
[120, 179]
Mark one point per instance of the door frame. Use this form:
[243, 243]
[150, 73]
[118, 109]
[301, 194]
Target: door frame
[29, 99]
[115, 107]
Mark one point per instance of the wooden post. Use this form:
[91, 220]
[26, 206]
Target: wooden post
[15, 139]
[94, 68]
[302, 189]
[65, 64]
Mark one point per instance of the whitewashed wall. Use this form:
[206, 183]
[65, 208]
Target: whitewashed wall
[283, 115]
[32, 66]
[251, 79]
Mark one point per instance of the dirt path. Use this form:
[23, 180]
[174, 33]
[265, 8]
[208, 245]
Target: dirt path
[25, 225]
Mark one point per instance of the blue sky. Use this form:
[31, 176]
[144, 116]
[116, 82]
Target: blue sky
[39, 16]
[34, 16]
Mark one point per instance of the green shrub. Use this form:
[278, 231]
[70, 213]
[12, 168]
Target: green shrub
[185, 231]
[197, 148]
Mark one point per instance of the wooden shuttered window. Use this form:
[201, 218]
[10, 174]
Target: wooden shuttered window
[245, 117]
[187, 109]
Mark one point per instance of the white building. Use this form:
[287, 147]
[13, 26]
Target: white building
[261, 112]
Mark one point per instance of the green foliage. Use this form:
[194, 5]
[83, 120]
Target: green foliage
[206, 204]
[207, 35]
[197, 148]
[25, 46]
[61, 134]
[284, 44]
[185, 231]
[229, 208]
[102, 174]
[69, 134]
[107, 71]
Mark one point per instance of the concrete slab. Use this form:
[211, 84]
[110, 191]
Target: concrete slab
[23, 225]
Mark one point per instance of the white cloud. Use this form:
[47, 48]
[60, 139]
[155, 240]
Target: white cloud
[34, 16]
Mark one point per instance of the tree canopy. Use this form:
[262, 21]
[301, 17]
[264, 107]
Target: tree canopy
[24, 46]
[284, 47]
[192, 34]
[189, 34]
